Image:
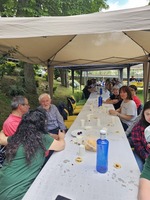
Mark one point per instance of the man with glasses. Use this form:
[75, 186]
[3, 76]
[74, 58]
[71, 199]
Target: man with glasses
[19, 106]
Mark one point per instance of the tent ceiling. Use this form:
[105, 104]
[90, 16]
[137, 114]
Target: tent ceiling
[102, 38]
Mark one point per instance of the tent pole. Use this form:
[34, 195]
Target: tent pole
[72, 75]
[146, 70]
[50, 71]
[121, 75]
[80, 79]
[128, 75]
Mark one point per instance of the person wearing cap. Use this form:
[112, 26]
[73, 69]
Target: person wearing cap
[141, 147]
[114, 98]
[135, 98]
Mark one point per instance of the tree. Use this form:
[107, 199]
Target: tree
[36, 8]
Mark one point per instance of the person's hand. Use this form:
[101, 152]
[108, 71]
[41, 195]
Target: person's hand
[113, 112]
[148, 145]
[55, 136]
[3, 138]
[115, 101]
[61, 134]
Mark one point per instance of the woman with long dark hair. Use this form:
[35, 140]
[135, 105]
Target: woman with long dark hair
[127, 111]
[25, 154]
[141, 147]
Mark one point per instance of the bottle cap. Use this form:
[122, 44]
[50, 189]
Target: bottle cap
[102, 134]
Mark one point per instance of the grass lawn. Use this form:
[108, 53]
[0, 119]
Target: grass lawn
[140, 94]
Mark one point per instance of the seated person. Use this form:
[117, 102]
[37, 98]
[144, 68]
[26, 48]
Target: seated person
[136, 99]
[25, 154]
[19, 106]
[89, 88]
[54, 120]
[141, 147]
[114, 98]
[144, 183]
[127, 111]
[108, 86]
[132, 79]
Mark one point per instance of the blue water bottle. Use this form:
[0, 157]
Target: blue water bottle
[102, 153]
[100, 101]
[101, 91]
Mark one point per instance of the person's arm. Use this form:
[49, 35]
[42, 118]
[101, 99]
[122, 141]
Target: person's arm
[144, 189]
[139, 141]
[124, 116]
[115, 112]
[59, 144]
[3, 138]
[59, 119]
[120, 115]
[111, 101]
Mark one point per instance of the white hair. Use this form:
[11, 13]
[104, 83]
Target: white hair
[44, 95]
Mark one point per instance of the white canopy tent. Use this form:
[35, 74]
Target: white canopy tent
[116, 37]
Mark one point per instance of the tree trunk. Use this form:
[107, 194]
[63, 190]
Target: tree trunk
[30, 83]
[64, 77]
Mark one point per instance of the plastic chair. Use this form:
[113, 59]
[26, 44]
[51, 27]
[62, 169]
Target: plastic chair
[72, 107]
[139, 109]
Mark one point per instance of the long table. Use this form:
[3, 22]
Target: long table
[62, 175]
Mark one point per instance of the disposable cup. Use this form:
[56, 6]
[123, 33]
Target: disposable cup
[79, 139]
[82, 123]
[81, 150]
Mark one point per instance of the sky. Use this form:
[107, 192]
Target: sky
[123, 4]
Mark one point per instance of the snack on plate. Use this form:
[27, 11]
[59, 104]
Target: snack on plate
[78, 159]
[90, 145]
[117, 165]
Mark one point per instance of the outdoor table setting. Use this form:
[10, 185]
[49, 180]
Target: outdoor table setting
[72, 173]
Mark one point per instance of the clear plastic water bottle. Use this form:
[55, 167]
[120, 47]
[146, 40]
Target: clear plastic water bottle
[100, 101]
[102, 153]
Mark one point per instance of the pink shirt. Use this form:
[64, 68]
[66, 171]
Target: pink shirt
[11, 124]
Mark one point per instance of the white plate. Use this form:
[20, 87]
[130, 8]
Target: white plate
[75, 132]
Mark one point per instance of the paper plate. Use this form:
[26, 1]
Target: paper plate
[77, 132]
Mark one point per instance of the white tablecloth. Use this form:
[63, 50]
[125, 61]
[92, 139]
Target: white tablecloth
[62, 175]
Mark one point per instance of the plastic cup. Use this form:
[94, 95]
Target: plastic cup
[98, 122]
[79, 139]
[81, 150]
[88, 117]
[82, 123]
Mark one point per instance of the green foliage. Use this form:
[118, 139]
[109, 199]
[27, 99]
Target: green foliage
[36, 8]
[56, 73]
[16, 90]
[5, 108]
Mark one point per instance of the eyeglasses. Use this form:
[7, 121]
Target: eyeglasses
[25, 104]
